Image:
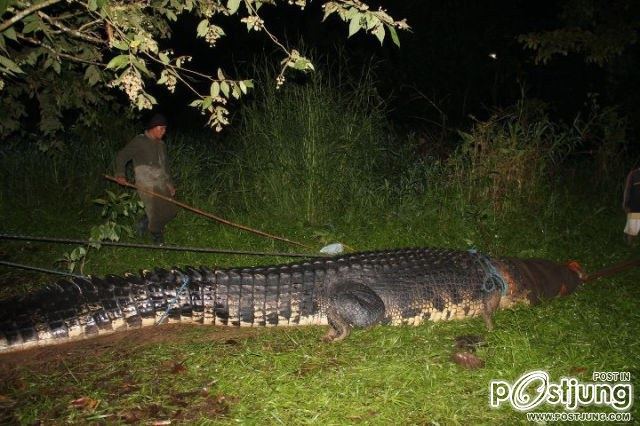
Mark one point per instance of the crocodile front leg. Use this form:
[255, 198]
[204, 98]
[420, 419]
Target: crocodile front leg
[490, 304]
[352, 305]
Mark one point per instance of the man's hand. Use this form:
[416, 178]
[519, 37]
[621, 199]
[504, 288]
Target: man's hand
[172, 189]
[121, 180]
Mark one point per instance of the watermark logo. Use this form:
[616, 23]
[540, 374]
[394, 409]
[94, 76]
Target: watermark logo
[608, 389]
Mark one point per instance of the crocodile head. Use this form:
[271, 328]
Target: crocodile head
[531, 281]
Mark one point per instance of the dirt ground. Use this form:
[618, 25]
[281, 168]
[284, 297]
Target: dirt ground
[177, 407]
[35, 357]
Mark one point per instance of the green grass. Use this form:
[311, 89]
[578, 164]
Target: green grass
[317, 163]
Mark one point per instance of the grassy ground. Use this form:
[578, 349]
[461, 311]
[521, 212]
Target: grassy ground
[207, 375]
[386, 375]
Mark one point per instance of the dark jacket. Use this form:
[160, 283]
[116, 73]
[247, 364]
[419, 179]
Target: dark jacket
[631, 200]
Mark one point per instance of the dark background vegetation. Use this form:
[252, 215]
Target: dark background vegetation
[443, 69]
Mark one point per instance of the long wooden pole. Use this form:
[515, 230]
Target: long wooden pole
[207, 215]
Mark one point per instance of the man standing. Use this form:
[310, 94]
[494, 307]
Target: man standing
[631, 205]
[149, 156]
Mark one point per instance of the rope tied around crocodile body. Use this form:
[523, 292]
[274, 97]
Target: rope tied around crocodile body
[175, 301]
[493, 279]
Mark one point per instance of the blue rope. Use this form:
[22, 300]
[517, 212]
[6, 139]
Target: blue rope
[492, 278]
[174, 301]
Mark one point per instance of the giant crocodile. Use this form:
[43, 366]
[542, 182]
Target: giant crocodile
[405, 286]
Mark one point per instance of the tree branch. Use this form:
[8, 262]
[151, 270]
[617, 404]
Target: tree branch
[71, 31]
[90, 24]
[273, 38]
[59, 54]
[28, 11]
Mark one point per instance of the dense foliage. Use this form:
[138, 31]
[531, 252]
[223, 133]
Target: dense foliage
[600, 31]
[63, 56]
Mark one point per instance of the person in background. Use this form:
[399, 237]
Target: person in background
[631, 205]
[148, 154]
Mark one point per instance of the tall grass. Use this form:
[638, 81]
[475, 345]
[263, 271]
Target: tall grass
[318, 157]
[313, 151]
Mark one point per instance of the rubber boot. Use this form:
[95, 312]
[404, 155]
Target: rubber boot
[142, 226]
[631, 240]
[158, 238]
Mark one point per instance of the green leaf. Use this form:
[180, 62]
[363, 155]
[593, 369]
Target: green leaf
[95, 233]
[171, 16]
[121, 44]
[215, 89]
[371, 20]
[203, 27]
[196, 103]
[118, 62]
[354, 25]
[235, 91]
[11, 66]
[233, 6]
[31, 25]
[92, 5]
[92, 75]
[329, 8]
[394, 35]
[164, 58]
[139, 63]
[224, 87]
[379, 33]
[10, 33]
[206, 102]
[303, 64]
[248, 83]
[4, 4]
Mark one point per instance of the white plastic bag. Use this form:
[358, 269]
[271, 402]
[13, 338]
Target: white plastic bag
[335, 248]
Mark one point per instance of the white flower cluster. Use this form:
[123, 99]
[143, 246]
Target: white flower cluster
[220, 100]
[182, 60]
[168, 79]
[1, 84]
[253, 22]
[209, 9]
[213, 34]
[147, 43]
[143, 102]
[219, 118]
[119, 16]
[300, 3]
[280, 81]
[131, 82]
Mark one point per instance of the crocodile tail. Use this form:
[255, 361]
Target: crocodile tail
[80, 308]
